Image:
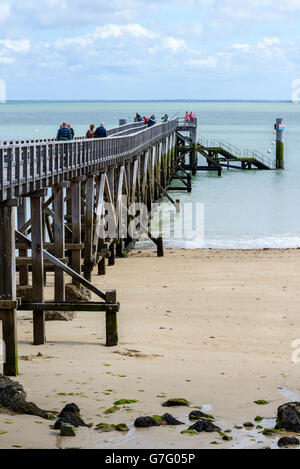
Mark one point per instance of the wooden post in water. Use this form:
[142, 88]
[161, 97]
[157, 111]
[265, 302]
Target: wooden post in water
[279, 127]
[8, 297]
[194, 153]
[111, 320]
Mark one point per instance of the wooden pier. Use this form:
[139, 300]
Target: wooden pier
[58, 190]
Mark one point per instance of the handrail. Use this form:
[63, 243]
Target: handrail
[258, 156]
[26, 167]
[111, 132]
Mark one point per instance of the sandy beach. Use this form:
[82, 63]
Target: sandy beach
[214, 327]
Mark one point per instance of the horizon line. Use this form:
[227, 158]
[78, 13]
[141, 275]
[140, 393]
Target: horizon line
[150, 100]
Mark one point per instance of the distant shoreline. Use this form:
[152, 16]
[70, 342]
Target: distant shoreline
[145, 101]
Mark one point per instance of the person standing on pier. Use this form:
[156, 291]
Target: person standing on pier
[64, 133]
[187, 117]
[101, 131]
[151, 121]
[192, 117]
[71, 130]
[91, 132]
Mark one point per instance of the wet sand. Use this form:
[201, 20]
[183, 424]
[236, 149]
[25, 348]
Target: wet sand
[214, 327]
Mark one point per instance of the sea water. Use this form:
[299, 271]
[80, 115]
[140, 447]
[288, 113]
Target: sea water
[243, 209]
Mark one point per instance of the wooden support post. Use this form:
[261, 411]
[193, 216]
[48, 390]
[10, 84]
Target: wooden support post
[112, 254]
[160, 247]
[101, 263]
[22, 214]
[8, 289]
[194, 154]
[279, 127]
[111, 320]
[88, 232]
[119, 248]
[76, 228]
[59, 241]
[37, 270]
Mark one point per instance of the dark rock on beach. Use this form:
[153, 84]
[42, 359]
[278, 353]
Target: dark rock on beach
[67, 430]
[59, 315]
[288, 417]
[176, 403]
[204, 426]
[107, 427]
[284, 442]
[71, 415]
[198, 415]
[13, 398]
[145, 422]
[170, 420]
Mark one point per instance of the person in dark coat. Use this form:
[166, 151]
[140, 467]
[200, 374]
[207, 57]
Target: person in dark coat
[151, 121]
[64, 133]
[100, 131]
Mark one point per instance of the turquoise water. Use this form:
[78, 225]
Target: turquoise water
[242, 209]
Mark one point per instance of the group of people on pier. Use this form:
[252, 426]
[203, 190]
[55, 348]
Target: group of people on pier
[151, 120]
[100, 132]
[66, 132]
[189, 117]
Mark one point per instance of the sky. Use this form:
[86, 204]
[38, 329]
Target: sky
[150, 49]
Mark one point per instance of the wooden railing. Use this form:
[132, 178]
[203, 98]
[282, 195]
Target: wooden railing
[32, 166]
[128, 128]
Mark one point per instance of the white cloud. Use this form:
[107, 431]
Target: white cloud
[268, 42]
[21, 46]
[106, 32]
[242, 47]
[173, 44]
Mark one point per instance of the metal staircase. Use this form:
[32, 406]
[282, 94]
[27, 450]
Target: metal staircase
[222, 151]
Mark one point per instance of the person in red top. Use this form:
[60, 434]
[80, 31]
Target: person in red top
[187, 116]
[192, 117]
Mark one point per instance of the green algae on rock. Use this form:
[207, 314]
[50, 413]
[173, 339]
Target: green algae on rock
[189, 432]
[198, 415]
[259, 418]
[176, 402]
[125, 401]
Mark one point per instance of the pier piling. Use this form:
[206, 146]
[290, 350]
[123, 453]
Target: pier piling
[279, 127]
